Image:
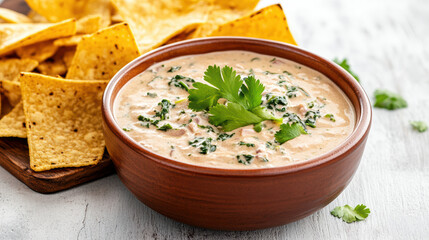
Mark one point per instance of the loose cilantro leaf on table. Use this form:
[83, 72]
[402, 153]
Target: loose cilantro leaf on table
[388, 100]
[419, 126]
[349, 214]
[244, 99]
[288, 132]
[344, 64]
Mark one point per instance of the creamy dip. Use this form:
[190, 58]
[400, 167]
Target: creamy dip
[305, 95]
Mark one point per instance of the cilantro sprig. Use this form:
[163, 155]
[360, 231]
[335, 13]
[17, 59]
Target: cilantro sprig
[389, 100]
[419, 126]
[288, 132]
[244, 98]
[344, 64]
[349, 214]
[243, 106]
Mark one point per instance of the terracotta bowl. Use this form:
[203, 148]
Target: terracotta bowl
[229, 199]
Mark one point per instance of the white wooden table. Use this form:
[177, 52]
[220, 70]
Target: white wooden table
[386, 42]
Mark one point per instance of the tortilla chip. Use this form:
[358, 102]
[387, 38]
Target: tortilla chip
[268, 23]
[13, 123]
[54, 66]
[11, 90]
[11, 67]
[58, 10]
[223, 11]
[38, 51]
[68, 55]
[10, 16]
[37, 18]
[13, 36]
[102, 54]
[88, 24]
[116, 18]
[69, 41]
[63, 119]
[155, 22]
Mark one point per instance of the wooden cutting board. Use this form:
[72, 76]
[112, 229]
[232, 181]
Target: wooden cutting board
[14, 156]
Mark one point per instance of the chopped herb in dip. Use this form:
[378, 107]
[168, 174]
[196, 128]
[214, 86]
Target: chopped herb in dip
[212, 114]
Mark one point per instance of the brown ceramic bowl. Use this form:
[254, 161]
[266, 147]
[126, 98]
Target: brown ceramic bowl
[230, 199]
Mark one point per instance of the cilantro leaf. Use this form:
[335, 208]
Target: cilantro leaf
[232, 116]
[389, 100]
[344, 64]
[419, 126]
[349, 215]
[288, 132]
[226, 80]
[244, 99]
[252, 92]
[203, 97]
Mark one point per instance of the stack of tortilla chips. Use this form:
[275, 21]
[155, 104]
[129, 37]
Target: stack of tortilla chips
[56, 61]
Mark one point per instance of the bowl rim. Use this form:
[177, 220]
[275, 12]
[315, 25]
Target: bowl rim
[359, 134]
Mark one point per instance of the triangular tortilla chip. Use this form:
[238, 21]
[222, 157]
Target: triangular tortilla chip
[223, 11]
[11, 90]
[38, 51]
[68, 54]
[63, 119]
[13, 36]
[56, 65]
[88, 24]
[37, 18]
[10, 68]
[13, 123]
[58, 10]
[268, 23]
[10, 16]
[69, 41]
[100, 55]
[155, 22]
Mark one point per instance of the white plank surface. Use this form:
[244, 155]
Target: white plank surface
[387, 45]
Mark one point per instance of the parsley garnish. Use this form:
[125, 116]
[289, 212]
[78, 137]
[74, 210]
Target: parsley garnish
[330, 116]
[165, 109]
[344, 64]
[241, 143]
[177, 82]
[245, 159]
[165, 127]
[274, 101]
[419, 126]
[388, 100]
[152, 95]
[244, 99]
[208, 127]
[312, 116]
[147, 121]
[174, 68]
[288, 132]
[204, 144]
[349, 214]
[224, 136]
